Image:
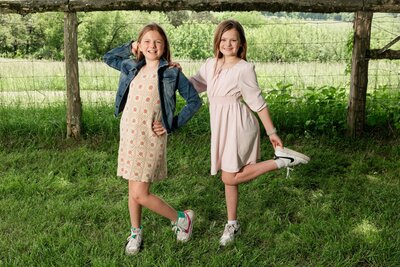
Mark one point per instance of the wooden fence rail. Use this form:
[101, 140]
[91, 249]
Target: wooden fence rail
[322, 6]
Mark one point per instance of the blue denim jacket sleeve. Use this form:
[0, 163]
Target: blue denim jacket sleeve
[116, 57]
[193, 101]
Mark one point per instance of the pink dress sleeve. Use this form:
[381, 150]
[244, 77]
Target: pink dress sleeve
[199, 80]
[251, 92]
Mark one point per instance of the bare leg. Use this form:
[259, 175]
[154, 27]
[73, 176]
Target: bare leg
[231, 197]
[135, 211]
[140, 193]
[248, 172]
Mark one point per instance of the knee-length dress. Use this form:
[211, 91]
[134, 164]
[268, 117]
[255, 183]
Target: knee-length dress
[142, 154]
[235, 132]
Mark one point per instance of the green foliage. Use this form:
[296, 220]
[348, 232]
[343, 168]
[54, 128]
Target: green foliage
[48, 36]
[312, 16]
[316, 111]
[33, 35]
[270, 39]
[177, 18]
[14, 35]
[383, 109]
[291, 41]
[192, 41]
[282, 38]
[99, 33]
[253, 19]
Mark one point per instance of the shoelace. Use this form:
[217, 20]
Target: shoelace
[134, 234]
[176, 229]
[229, 229]
[288, 169]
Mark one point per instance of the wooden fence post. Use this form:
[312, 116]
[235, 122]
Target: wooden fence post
[359, 73]
[74, 105]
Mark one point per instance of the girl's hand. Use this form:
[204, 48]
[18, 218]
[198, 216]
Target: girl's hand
[275, 140]
[175, 65]
[158, 128]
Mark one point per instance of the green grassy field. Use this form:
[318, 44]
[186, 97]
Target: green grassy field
[62, 204]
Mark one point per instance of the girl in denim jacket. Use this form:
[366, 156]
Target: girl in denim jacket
[146, 95]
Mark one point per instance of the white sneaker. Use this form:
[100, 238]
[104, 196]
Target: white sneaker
[230, 231]
[134, 242]
[184, 226]
[290, 157]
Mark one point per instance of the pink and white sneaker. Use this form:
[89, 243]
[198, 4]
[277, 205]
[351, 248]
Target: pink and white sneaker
[184, 226]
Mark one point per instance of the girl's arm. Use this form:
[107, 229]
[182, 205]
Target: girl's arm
[199, 80]
[199, 84]
[251, 93]
[115, 57]
[269, 127]
[193, 101]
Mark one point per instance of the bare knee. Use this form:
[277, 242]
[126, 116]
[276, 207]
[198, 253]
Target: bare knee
[138, 192]
[229, 178]
[139, 197]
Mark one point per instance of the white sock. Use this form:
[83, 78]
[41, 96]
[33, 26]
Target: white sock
[280, 163]
[232, 222]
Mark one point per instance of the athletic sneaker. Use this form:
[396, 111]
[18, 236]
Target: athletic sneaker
[184, 226]
[290, 157]
[134, 242]
[230, 231]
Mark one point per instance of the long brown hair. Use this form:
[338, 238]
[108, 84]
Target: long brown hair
[154, 27]
[227, 25]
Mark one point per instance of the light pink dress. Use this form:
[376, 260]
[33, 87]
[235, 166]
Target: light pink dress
[235, 132]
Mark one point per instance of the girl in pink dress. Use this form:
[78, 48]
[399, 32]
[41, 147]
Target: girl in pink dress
[234, 94]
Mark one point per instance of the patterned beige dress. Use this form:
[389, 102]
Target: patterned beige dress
[142, 154]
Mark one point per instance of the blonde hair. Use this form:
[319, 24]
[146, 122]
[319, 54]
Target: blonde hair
[154, 27]
[225, 26]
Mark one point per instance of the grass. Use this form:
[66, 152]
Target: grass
[62, 204]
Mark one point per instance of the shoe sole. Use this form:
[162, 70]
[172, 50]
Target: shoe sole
[293, 153]
[129, 253]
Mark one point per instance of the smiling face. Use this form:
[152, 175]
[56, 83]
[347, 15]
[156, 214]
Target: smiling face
[152, 45]
[230, 43]
[230, 40]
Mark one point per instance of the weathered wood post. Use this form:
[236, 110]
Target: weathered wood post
[359, 73]
[74, 105]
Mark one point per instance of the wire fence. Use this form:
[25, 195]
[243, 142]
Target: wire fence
[281, 61]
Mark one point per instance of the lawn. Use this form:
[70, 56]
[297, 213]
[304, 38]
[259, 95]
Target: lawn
[62, 204]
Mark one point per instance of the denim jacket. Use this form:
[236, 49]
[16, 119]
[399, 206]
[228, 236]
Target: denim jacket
[169, 80]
